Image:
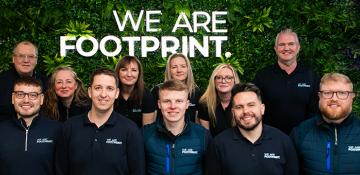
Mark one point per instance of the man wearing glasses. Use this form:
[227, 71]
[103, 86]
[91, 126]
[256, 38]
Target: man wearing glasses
[24, 58]
[330, 142]
[28, 141]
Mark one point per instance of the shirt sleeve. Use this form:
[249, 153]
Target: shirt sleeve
[203, 113]
[135, 153]
[292, 163]
[61, 152]
[212, 160]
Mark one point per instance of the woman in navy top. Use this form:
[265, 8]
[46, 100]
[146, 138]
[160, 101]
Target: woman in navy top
[66, 97]
[135, 101]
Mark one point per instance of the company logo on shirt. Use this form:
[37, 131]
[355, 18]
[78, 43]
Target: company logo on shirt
[271, 156]
[353, 148]
[44, 140]
[303, 85]
[188, 151]
[136, 110]
[113, 141]
[192, 104]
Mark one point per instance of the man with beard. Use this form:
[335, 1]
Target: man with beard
[28, 141]
[330, 142]
[250, 147]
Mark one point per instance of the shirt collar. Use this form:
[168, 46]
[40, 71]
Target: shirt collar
[264, 134]
[110, 122]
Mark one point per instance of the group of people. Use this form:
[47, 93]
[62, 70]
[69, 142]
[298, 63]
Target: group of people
[117, 126]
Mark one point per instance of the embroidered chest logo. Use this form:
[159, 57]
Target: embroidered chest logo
[271, 156]
[188, 151]
[113, 141]
[192, 104]
[354, 148]
[136, 110]
[44, 140]
[303, 85]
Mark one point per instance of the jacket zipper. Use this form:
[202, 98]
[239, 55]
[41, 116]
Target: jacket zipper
[335, 146]
[173, 158]
[26, 136]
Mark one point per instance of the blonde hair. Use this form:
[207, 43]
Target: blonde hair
[334, 76]
[189, 81]
[51, 99]
[210, 97]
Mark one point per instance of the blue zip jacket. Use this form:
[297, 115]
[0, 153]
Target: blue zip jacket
[169, 154]
[328, 148]
[28, 150]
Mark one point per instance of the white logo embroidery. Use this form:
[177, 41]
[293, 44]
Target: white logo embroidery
[136, 110]
[44, 140]
[188, 151]
[113, 141]
[192, 104]
[353, 148]
[303, 85]
[271, 156]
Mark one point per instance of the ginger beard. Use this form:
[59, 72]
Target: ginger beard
[333, 110]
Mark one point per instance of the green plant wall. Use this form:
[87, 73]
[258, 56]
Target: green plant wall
[328, 31]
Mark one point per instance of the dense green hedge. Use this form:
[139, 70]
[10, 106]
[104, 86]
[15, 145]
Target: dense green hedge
[328, 31]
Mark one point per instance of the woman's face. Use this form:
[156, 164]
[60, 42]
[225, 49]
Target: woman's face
[178, 68]
[129, 74]
[65, 84]
[224, 80]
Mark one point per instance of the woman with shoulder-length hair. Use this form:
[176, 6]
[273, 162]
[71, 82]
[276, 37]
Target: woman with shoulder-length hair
[178, 67]
[215, 112]
[66, 96]
[135, 101]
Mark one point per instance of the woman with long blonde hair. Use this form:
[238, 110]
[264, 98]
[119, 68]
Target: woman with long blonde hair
[66, 96]
[215, 113]
[178, 67]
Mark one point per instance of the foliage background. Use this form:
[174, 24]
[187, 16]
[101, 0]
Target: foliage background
[328, 31]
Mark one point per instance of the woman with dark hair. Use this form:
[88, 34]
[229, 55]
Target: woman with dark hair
[66, 96]
[135, 101]
[178, 67]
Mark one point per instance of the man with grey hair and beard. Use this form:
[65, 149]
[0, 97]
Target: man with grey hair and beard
[250, 147]
[330, 143]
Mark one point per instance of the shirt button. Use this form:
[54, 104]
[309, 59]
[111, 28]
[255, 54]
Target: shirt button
[252, 155]
[95, 140]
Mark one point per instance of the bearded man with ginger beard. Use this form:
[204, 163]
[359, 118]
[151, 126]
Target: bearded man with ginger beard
[330, 143]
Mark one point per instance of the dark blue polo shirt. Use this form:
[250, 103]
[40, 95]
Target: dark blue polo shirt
[115, 148]
[223, 118]
[232, 154]
[135, 112]
[289, 98]
[28, 152]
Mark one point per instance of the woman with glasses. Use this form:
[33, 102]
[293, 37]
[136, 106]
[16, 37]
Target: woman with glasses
[66, 97]
[135, 101]
[178, 67]
[215, 113]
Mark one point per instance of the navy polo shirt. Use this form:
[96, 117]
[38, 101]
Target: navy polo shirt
[232, 154]
[193, 106]
[28, 152]
[223, 118]
[135, 112]
[289, 99]
[74, 110]
[115, 148]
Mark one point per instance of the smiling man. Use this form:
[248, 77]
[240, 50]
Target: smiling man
[250, 147]
[288, 88]
[329, 143]
[28, 141]
[174, 145]
[101, 141]
[24, 58]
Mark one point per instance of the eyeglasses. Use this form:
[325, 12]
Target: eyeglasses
[31, 95]
[227, 79]
[340, 94]
[23, 56]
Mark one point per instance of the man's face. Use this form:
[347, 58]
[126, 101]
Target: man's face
[27, 100]
[247, 110]
[173, 105]
[103, 93]
[25, 59]
[287, 48]
[335, 109]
